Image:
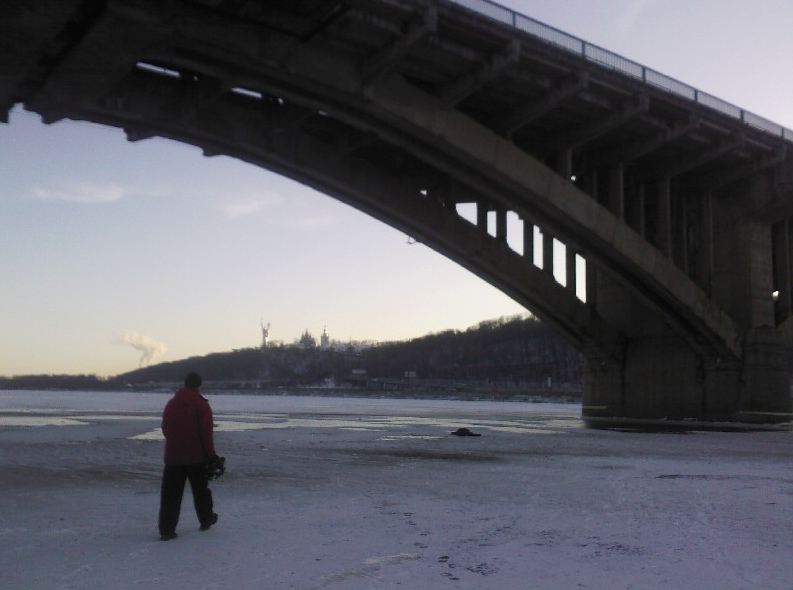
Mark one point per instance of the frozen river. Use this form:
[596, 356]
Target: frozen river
[358, 494]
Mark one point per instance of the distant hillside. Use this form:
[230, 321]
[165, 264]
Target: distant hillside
[516, 349]
[507, 352]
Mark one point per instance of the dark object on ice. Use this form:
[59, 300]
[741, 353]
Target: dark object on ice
[212, 520]
[215, 467]
[168, 536]
[464, 432]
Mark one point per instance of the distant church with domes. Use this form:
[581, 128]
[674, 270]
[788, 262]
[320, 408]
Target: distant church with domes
[324, 339]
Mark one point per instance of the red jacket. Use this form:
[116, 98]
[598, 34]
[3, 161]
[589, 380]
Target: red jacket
[187, 426]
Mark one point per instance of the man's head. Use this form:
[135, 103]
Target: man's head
[192, 380]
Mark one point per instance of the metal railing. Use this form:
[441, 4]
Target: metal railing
[616, 62]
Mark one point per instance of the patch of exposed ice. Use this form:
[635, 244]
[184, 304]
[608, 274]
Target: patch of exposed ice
[39, 421]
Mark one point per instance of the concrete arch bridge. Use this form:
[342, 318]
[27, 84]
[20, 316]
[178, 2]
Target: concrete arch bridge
[668, 209]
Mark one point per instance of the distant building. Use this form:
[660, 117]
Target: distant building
[307, 341]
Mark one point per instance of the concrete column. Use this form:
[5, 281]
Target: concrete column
[682, 234]
[570, 268]
[501, 225]
[663, 218]
[616, 202]
[789, 224]
[635, 215]
[528, 240]
[564, 163]
[642, 214]
[547, 252]
[590, 184]
[743, 277]
[757, 268]
[781, 239]
[705, 263]
[481, 215]
[591, 285]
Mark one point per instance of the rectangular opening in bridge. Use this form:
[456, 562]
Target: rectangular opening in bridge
[580, 277]
[467, 211]
[247, 93]
[491, 223]
[537, 247]
[515, 232]
[158, 70]
[559, 262]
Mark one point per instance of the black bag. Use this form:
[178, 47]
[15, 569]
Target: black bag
[215, 467]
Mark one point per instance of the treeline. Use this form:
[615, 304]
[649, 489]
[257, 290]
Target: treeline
[280, 365]
[519, 350]
[81, 382]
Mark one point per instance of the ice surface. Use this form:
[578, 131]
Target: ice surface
[360, 493]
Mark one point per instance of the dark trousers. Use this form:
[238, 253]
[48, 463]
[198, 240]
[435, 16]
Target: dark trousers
[172, 490]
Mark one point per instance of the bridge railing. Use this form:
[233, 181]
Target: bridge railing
[614, 61]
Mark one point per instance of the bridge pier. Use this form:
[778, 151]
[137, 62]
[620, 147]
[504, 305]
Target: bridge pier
[664, 375]
[662, 378]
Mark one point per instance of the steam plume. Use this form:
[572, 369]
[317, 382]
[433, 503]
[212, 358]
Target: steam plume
[149, 347]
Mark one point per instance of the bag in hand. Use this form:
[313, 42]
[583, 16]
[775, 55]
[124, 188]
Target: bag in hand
[215, 467]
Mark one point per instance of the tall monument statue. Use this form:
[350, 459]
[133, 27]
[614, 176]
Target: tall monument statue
[265, 333]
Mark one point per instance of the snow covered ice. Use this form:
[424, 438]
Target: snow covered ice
[330, 493]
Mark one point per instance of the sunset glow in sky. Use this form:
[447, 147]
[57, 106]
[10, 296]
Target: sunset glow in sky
[104, 241]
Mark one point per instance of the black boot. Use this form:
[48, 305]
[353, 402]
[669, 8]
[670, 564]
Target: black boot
[212, 520]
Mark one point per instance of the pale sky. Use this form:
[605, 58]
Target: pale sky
[104, 241]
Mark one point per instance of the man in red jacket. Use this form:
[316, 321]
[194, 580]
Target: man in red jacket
[187, 426]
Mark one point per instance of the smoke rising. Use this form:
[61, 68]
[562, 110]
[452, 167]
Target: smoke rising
[149, 347]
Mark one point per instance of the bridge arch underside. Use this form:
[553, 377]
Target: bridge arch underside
[678, 321]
